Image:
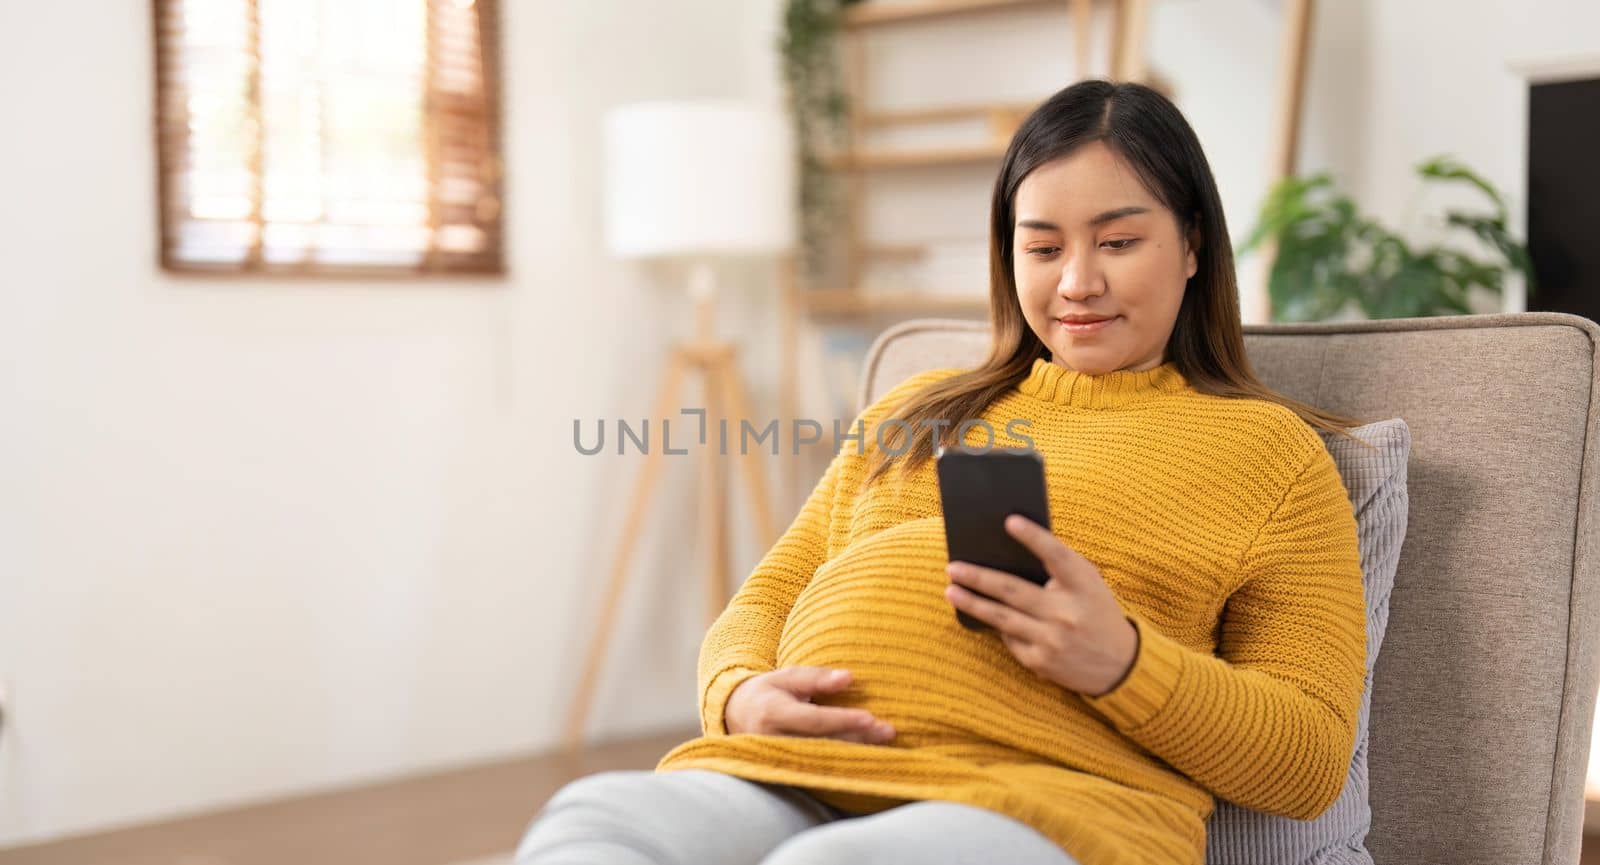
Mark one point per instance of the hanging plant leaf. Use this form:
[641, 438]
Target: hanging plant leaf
[818, 106]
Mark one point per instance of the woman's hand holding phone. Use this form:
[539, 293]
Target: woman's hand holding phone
[1071, 631]
[779, 703]
[1009, 572]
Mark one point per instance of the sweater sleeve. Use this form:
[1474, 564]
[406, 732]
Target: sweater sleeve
[743, 641]
[1269, 723]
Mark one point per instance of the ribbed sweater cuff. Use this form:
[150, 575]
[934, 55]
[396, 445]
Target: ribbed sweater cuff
[1149, 684]
[715, 700]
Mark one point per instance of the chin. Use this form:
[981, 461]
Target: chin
[1094, 361]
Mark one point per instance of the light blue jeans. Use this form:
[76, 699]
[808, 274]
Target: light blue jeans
[703, 817]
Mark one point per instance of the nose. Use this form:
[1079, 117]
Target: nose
[1080, 277]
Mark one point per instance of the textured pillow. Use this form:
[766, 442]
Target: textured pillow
[1376, 481]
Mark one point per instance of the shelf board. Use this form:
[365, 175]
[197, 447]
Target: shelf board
[875, 14]
[896, 250]
[832, 301]
[870, 159]
[946, 113]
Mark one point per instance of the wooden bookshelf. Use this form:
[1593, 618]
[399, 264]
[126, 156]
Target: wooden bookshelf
[933, 157]
[835, 301]
[895, 250]
[1000, 120]
[882, 13]
[845, 296]
[1011, 112]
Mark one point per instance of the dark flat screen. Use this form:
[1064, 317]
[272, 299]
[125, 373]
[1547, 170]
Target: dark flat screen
[1564, 196]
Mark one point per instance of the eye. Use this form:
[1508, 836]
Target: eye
[1042, 251]
[1121, 242]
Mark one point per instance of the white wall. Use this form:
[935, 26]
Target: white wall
[260, 537]
[1391, 84]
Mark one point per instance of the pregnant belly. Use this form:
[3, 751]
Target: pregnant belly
[878, 610]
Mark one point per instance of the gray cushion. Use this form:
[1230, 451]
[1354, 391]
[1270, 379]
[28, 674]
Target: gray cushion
[1376, 481]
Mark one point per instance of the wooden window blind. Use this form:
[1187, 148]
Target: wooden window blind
[329, 136]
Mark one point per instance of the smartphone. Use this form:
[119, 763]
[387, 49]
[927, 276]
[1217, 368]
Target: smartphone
[978, 489]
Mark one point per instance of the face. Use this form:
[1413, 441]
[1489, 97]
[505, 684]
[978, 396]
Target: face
[1090, 240]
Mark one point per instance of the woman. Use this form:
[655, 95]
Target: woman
[1202, 633]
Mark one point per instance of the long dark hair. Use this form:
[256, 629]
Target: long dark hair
[1207, 343]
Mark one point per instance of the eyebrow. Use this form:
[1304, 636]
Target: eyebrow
[1097, 219]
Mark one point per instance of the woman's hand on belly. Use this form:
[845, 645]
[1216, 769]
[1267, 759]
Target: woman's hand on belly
[779, 703]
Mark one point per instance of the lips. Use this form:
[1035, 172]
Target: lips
[1087, 327]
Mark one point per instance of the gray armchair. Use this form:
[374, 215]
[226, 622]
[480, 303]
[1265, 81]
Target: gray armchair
[1484, 691]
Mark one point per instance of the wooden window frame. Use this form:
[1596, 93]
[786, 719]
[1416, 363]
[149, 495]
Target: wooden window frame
[170, 130]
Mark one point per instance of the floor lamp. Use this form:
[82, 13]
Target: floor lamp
[694, 182]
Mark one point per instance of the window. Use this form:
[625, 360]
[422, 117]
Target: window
[329, 136]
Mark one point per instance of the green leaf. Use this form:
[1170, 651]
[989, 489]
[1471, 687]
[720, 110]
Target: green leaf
[1329, 255]
[1287, 204]
[1448, 169]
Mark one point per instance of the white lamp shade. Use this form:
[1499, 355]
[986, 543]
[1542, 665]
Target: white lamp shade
[702, 178]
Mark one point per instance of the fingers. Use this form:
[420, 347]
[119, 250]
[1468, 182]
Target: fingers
[1008, 589]
[1042, 543]
[855, 725]
[1004, 618]
[810, 719]
[804, 681]
[1006, 601]
[880, 734]
[800, 717]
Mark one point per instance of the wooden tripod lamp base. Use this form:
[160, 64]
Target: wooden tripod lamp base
[714, 363]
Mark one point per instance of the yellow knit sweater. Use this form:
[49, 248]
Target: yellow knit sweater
[1221, 526]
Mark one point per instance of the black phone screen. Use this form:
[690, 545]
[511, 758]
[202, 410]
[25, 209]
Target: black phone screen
[978, 489]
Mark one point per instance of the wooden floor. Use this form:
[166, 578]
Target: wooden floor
[430, 820]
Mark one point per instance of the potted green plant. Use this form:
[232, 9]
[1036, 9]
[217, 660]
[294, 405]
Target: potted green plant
[1328, 255]
[818, 105]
